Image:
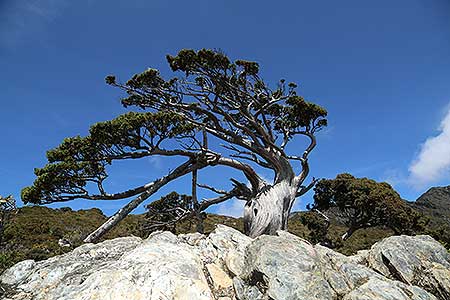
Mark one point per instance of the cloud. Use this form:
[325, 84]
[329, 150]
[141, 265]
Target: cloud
[433, 161]
[232, 208]
[395, 177]
[21, 20]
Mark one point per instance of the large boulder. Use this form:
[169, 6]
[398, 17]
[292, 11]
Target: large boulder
[123, 268]
[418, 260]
[228, 265]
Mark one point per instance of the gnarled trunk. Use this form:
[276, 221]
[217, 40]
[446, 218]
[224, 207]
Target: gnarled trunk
[269, 210]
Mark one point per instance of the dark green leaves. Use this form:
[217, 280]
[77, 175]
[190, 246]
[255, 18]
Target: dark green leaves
[110, 79]
[163, 214]
[80, 160]
[170, 201]
[228, 100]
[189, 61]
[231, 92]
[250, 67]
[364, 202]
[147, 79]
[298, 113]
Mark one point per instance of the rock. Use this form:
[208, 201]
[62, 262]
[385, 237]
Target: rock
[285, 267]
[124, 268]
[64, 243]
[220, 279]
[418, 260]
[228, 265]
[192, 239]
[18, 272]
[360, 257]
[352, 280]
[226, 247]
[244, 292]
[377, 289]
[71, 269]
[221, 284]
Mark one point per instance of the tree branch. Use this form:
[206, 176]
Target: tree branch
[181, 170]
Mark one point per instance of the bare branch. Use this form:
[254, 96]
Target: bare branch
[304, 189]
[217, 191]
[181, 170]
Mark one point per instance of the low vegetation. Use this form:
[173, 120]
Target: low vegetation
[37, 232]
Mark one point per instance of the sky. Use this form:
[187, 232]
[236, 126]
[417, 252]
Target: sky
[380, 68]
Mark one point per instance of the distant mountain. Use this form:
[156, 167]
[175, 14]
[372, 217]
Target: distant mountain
[435, 204]
[436, 198]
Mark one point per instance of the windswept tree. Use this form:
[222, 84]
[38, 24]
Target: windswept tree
[362, 202]
[214, 113]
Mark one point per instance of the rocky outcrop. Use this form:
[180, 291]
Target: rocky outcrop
[228, 265]
[436, 198]
[418, 261]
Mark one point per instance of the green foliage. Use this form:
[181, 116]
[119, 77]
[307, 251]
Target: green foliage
[317, 226]
[232, 85]
[7, 208]
[210, 96]
[298, 113]
[165, 213]
[362, 239]
[34, 232]
[80, 160]
[172, 200]
[189, 61]
[363, 202]
[440, 233]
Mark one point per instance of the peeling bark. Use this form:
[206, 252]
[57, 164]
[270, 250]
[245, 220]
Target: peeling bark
[269, 211]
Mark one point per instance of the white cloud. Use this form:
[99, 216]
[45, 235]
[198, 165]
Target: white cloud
[394, 177]
[232, 208]
[433, 160]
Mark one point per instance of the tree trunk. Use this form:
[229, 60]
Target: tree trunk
[269, 211]
[199, 225]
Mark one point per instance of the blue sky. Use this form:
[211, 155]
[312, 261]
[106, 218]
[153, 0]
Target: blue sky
[381, 68]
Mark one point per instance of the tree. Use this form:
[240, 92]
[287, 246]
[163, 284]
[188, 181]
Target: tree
[318, 225]
[7, 207]
[165, 213]
[363, 202]
[213, 100]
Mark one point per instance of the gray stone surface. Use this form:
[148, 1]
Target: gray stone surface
[228, 265]
[418, 260]
[285, 267]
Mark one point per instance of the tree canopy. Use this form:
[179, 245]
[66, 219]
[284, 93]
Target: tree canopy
[363, 202]
[212, 99]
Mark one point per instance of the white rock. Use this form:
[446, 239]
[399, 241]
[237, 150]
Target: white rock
[228, 265]
[220, 279]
